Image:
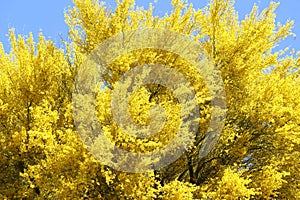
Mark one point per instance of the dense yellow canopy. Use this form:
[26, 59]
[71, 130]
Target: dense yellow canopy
[257, 156]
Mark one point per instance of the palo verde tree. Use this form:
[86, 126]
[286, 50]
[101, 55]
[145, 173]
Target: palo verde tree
[257, 155]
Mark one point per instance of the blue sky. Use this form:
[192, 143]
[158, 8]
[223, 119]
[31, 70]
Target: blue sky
[48, 16]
